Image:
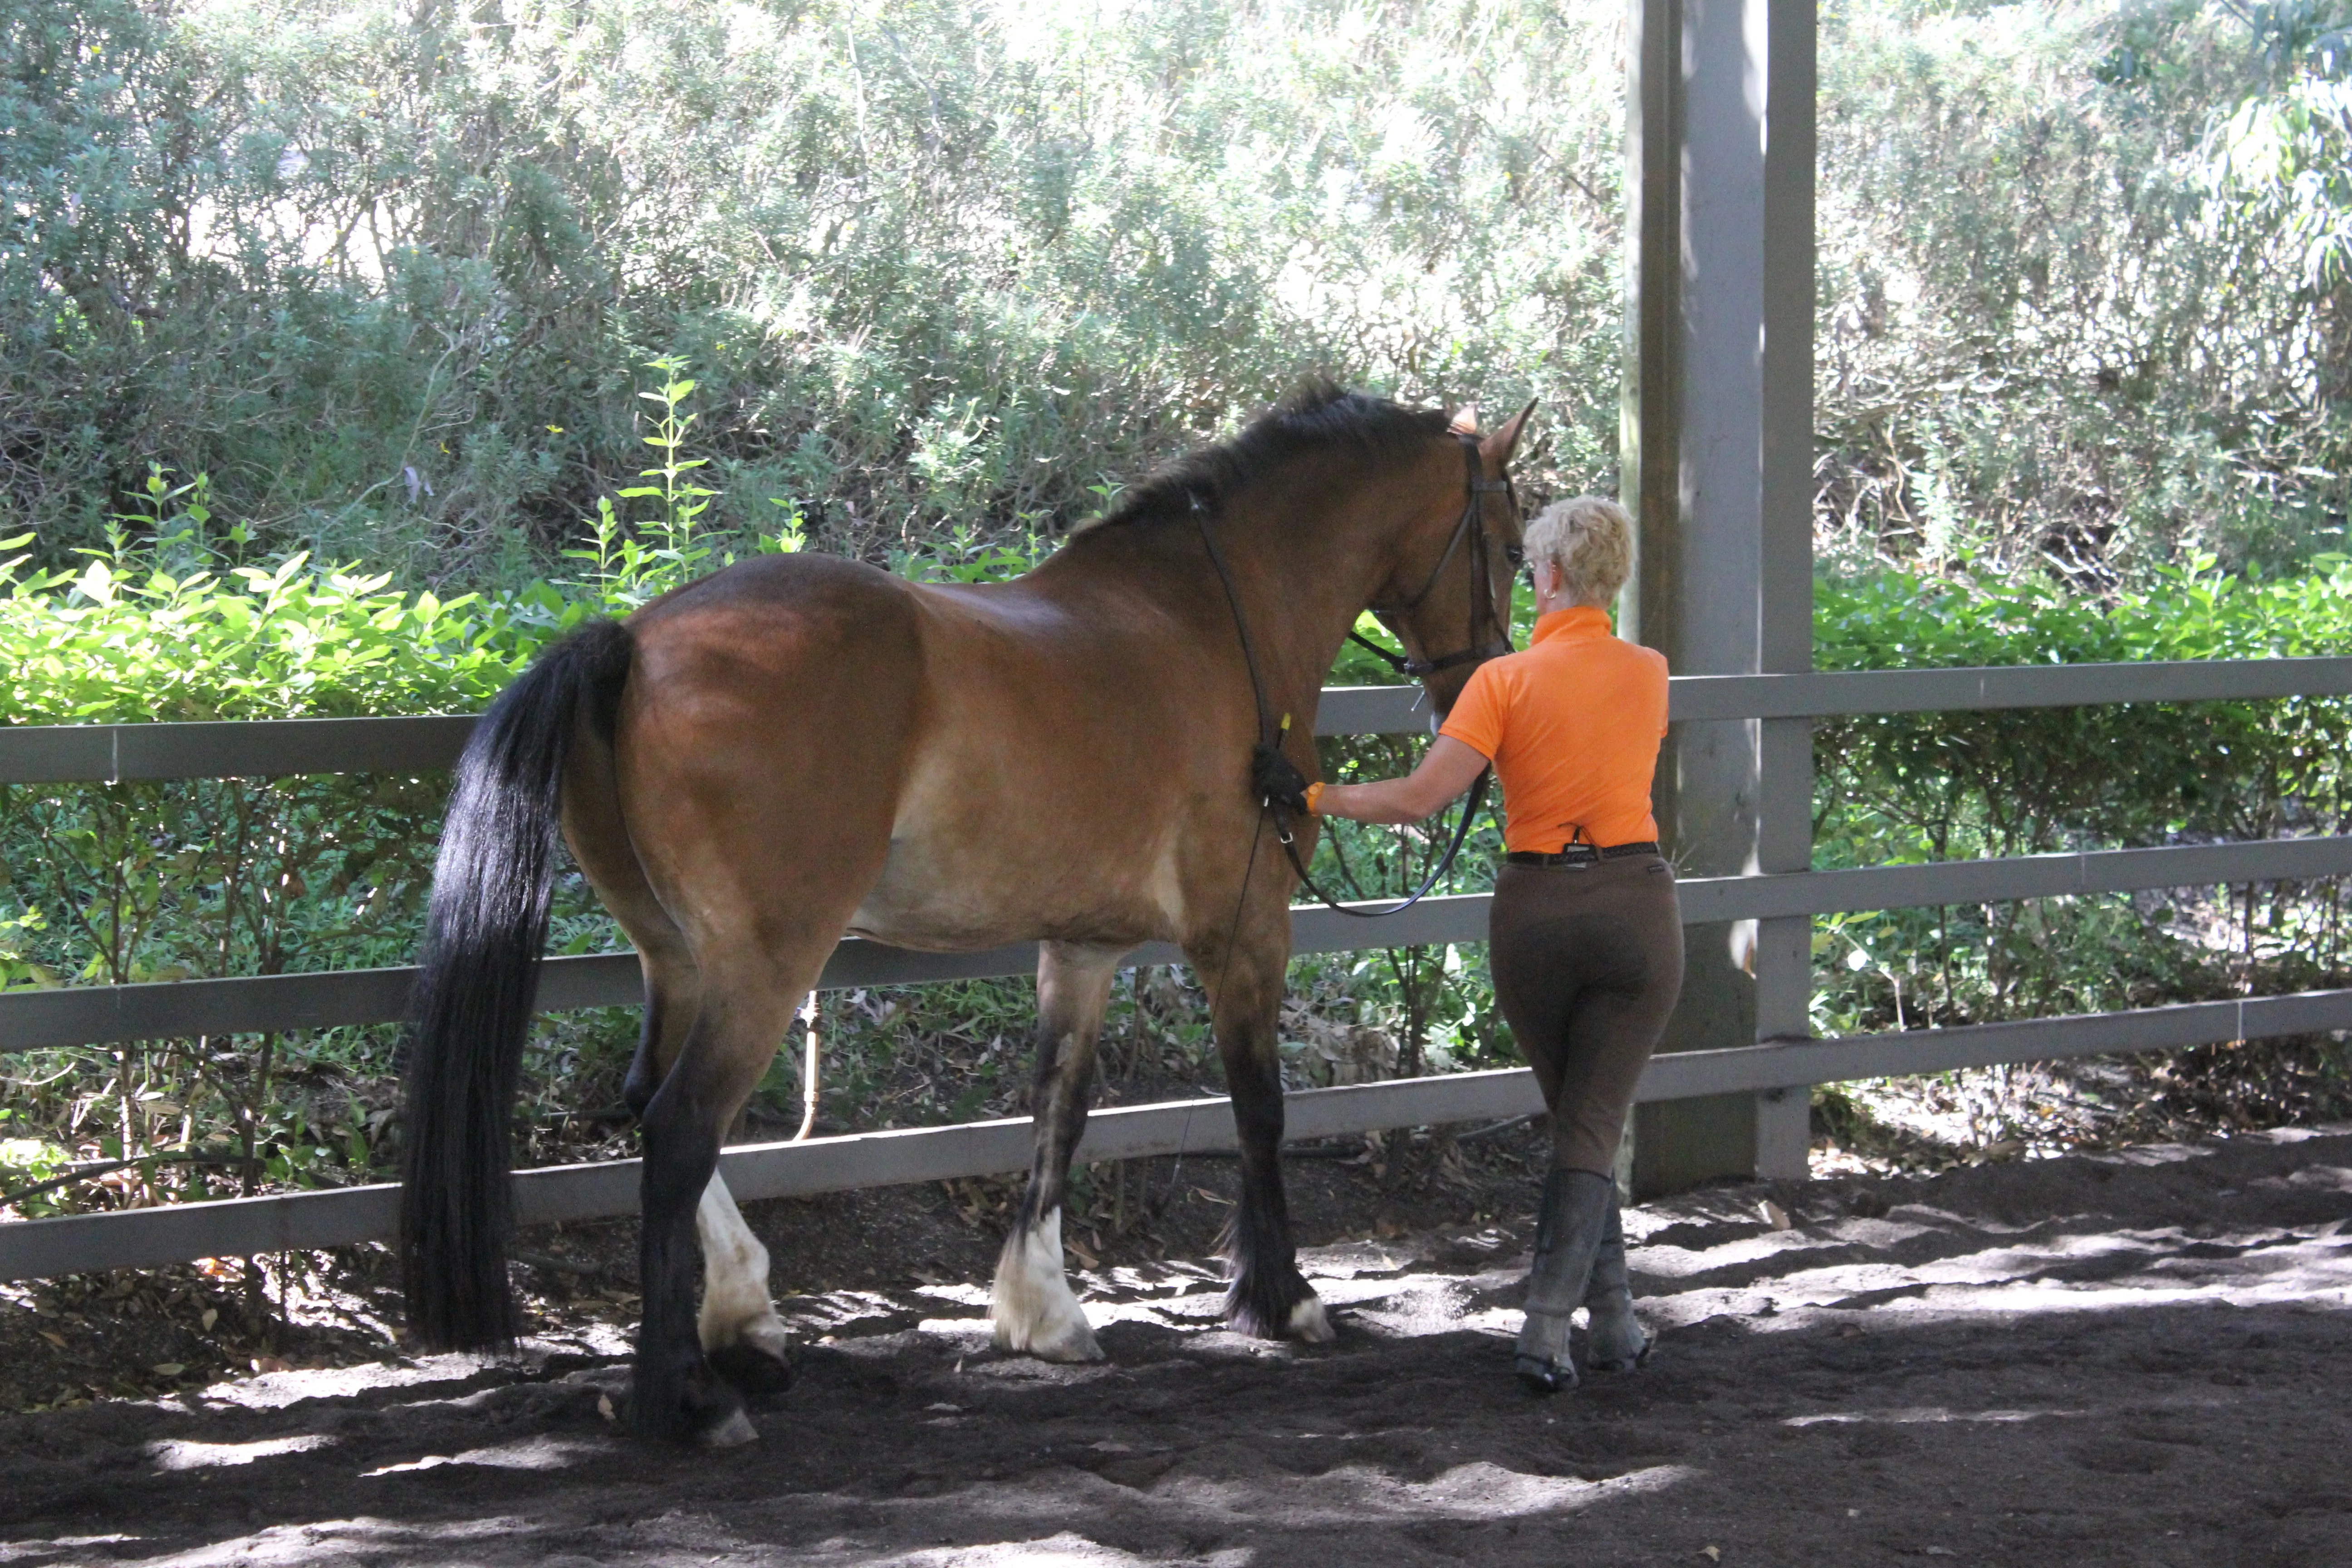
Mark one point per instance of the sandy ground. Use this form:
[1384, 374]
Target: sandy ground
[2143, 1358]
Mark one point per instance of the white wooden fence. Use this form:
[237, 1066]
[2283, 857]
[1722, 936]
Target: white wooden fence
[31, 1019]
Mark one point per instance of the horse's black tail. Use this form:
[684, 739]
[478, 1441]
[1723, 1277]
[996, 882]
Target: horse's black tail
[473, 1003]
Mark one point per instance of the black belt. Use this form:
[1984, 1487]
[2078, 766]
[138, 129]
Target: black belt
[1580, 854]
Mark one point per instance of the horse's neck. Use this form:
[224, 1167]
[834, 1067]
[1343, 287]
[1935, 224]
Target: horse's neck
[1301, 570]
[1304, 574]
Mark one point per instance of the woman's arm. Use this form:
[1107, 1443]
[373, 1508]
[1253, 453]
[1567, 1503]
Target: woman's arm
[1443, 773]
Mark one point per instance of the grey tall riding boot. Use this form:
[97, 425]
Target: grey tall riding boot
[1614, 1340]
[1569, 1232]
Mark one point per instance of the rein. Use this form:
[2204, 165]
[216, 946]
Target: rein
[1482, 609]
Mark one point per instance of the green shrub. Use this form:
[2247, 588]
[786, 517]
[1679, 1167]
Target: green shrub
[387, 273]
[130, 882]
[135, 882]
[1937, 786]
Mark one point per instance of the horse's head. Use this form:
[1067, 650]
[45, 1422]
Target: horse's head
[1448, 596]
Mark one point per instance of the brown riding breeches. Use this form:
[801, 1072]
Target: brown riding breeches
[1588, 961]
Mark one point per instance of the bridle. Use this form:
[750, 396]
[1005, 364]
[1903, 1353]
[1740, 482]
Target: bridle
[1472, 527]
[1482, 587]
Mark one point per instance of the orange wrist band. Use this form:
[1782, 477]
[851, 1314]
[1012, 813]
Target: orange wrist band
[1314, 794]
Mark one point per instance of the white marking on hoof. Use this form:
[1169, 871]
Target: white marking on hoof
[1309, 1322]
[1035, 1308]
[731, 1433]
[768, 1336]
[735, 1305]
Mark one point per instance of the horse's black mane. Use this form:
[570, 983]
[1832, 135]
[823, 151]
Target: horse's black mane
[1317, 417]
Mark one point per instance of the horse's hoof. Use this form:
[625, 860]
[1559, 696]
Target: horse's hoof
[731, 1431]
[1310, 1324]
[1617, 1344]
[1068, 1343]
[1545, 1377]
[1634, 1362]
[1266, 1305]
[757, 1369]
[698, 1408]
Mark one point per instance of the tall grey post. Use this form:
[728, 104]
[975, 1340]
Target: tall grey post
[1718, 464]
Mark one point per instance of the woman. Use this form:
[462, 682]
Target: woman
[1585, 939]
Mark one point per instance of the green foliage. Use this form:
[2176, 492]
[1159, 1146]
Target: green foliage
[2036, 779]
[117, 883]
[1936, 786]
[124, 639]
[2075, 310]
[385, 272]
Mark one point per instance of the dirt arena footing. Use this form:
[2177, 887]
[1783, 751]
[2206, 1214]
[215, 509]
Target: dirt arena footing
[2134, 1359]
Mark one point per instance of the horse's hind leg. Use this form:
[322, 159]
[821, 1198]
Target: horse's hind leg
[747, 1001]
[1032, 1304]
[737, 1325]
[1267, 1295]
[598, 834]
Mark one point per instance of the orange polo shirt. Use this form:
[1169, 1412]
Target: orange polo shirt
[1572, 725]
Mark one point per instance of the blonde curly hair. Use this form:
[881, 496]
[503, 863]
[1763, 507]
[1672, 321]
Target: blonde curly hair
[1590, 540]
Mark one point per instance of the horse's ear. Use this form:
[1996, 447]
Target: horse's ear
[1465, 421]
[1500, 445]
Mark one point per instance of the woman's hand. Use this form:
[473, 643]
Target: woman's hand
[1448, 769]
[1278, 780]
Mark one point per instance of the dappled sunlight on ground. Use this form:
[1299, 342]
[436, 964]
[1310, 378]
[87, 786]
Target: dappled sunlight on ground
[2134, 1358]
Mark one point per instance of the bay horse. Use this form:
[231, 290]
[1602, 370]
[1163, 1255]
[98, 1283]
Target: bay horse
[799, 746]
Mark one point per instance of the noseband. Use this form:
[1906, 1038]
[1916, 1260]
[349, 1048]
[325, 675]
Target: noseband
[1482, 588]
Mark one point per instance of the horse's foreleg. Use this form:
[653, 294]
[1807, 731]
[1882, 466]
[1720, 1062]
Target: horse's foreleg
[1267, 1295]
[1032, 1304]
[745, 1341]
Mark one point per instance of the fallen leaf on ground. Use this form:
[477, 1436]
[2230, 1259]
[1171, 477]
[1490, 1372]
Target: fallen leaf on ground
[55, 1338]
[167, 1369]
[1774, 1214]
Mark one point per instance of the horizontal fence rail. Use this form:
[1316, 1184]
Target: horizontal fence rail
[262, 748]
[238, 1226]
[1857, 693]
[93, 1015]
